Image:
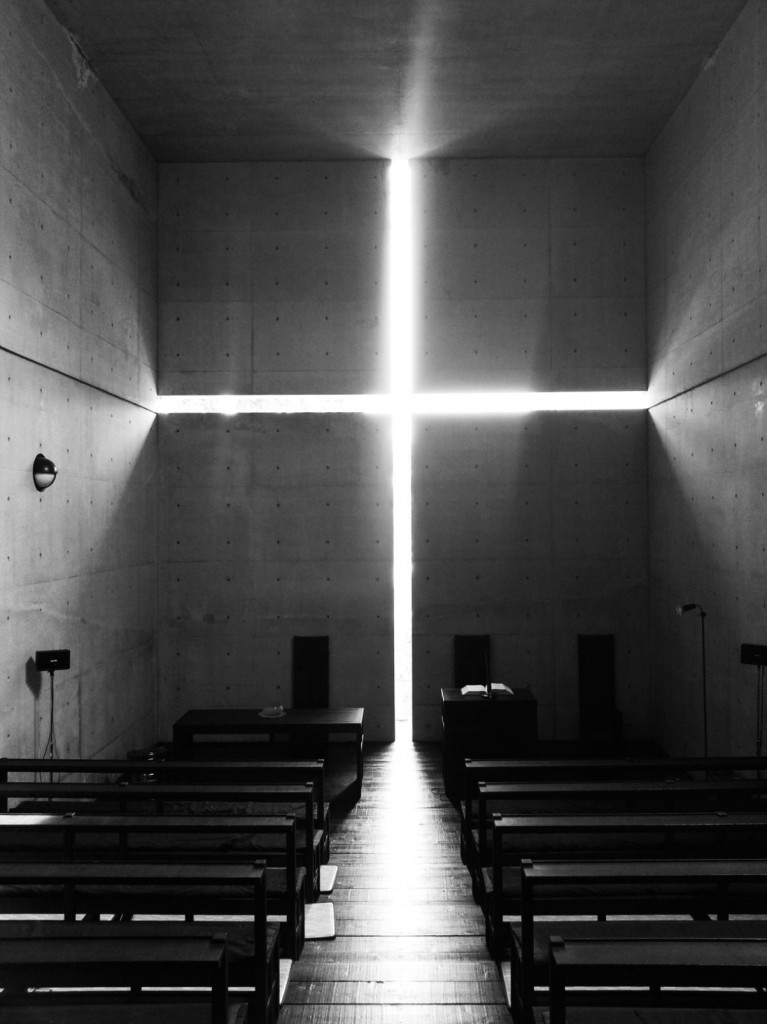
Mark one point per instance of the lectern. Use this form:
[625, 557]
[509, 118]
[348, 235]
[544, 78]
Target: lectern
[474, 725]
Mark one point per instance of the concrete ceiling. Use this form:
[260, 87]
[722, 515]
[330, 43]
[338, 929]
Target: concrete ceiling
[227, 80]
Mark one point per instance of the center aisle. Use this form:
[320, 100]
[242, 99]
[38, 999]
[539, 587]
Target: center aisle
[409, 946]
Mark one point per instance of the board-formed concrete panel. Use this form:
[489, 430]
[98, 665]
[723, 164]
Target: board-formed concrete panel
[78, 213]
[530, 274]
[78, 333]
[273, 278]
[205, 338]
[280, 527]
[531, 529]
[206, 197]
[707, 344]
[80, 561]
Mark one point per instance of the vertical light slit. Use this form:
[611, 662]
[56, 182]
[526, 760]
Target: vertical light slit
[401, 349]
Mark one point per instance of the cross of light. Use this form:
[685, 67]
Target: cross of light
[402, 403]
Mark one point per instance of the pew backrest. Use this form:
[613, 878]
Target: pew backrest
[478, 770]
[608, 836]
[36, 954]
[199, 798]
[623, 795]
[590, 889]
[689, 965]
[177, 772]
[172, 840]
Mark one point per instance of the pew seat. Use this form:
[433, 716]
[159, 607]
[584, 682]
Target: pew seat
[218, 772]
[604, 796]
[539, 770]
[123, 890]
[602, 837]
[83, 956]
[174, 841]
[652, 1015]
[593, 893]
[91, 1009]
[296, 799]
[637, 972]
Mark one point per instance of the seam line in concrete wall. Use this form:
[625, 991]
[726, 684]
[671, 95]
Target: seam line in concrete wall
[77, 380]
[707, 380]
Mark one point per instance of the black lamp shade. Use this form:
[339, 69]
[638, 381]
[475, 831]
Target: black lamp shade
[43, 472]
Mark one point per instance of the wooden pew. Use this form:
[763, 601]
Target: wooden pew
[639, 972]
[600, 889]
[86, 797]
[516, 770]
[204, 733]
[626, 795]
[45, 953]
[185, 772]
[602, 837]
[69, 888]
[176, 841]
[651, 1015]
[52, 1009]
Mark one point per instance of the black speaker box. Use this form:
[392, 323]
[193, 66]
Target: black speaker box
[753, 654]
[51, 661]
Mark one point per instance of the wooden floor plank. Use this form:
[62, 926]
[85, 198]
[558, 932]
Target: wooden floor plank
[395, 970]
[394, 1014]
[360, 993]
[430, 894]
[410, 945]
[421, 929]
[402, 909]
[398, 948]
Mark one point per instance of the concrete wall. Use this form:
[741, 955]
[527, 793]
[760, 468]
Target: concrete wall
[272, 278]
[272, 282]
[77, 355]
[274, 527]
[534, 529]
[707, 341]
[531, 274]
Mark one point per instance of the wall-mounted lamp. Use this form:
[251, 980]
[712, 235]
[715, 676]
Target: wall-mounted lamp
[680, 610]
[43, 472]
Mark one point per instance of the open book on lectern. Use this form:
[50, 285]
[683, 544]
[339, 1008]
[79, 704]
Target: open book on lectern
[478, 688]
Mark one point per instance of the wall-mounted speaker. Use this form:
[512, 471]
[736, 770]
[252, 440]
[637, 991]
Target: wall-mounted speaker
[753, 654]
[51, 661]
